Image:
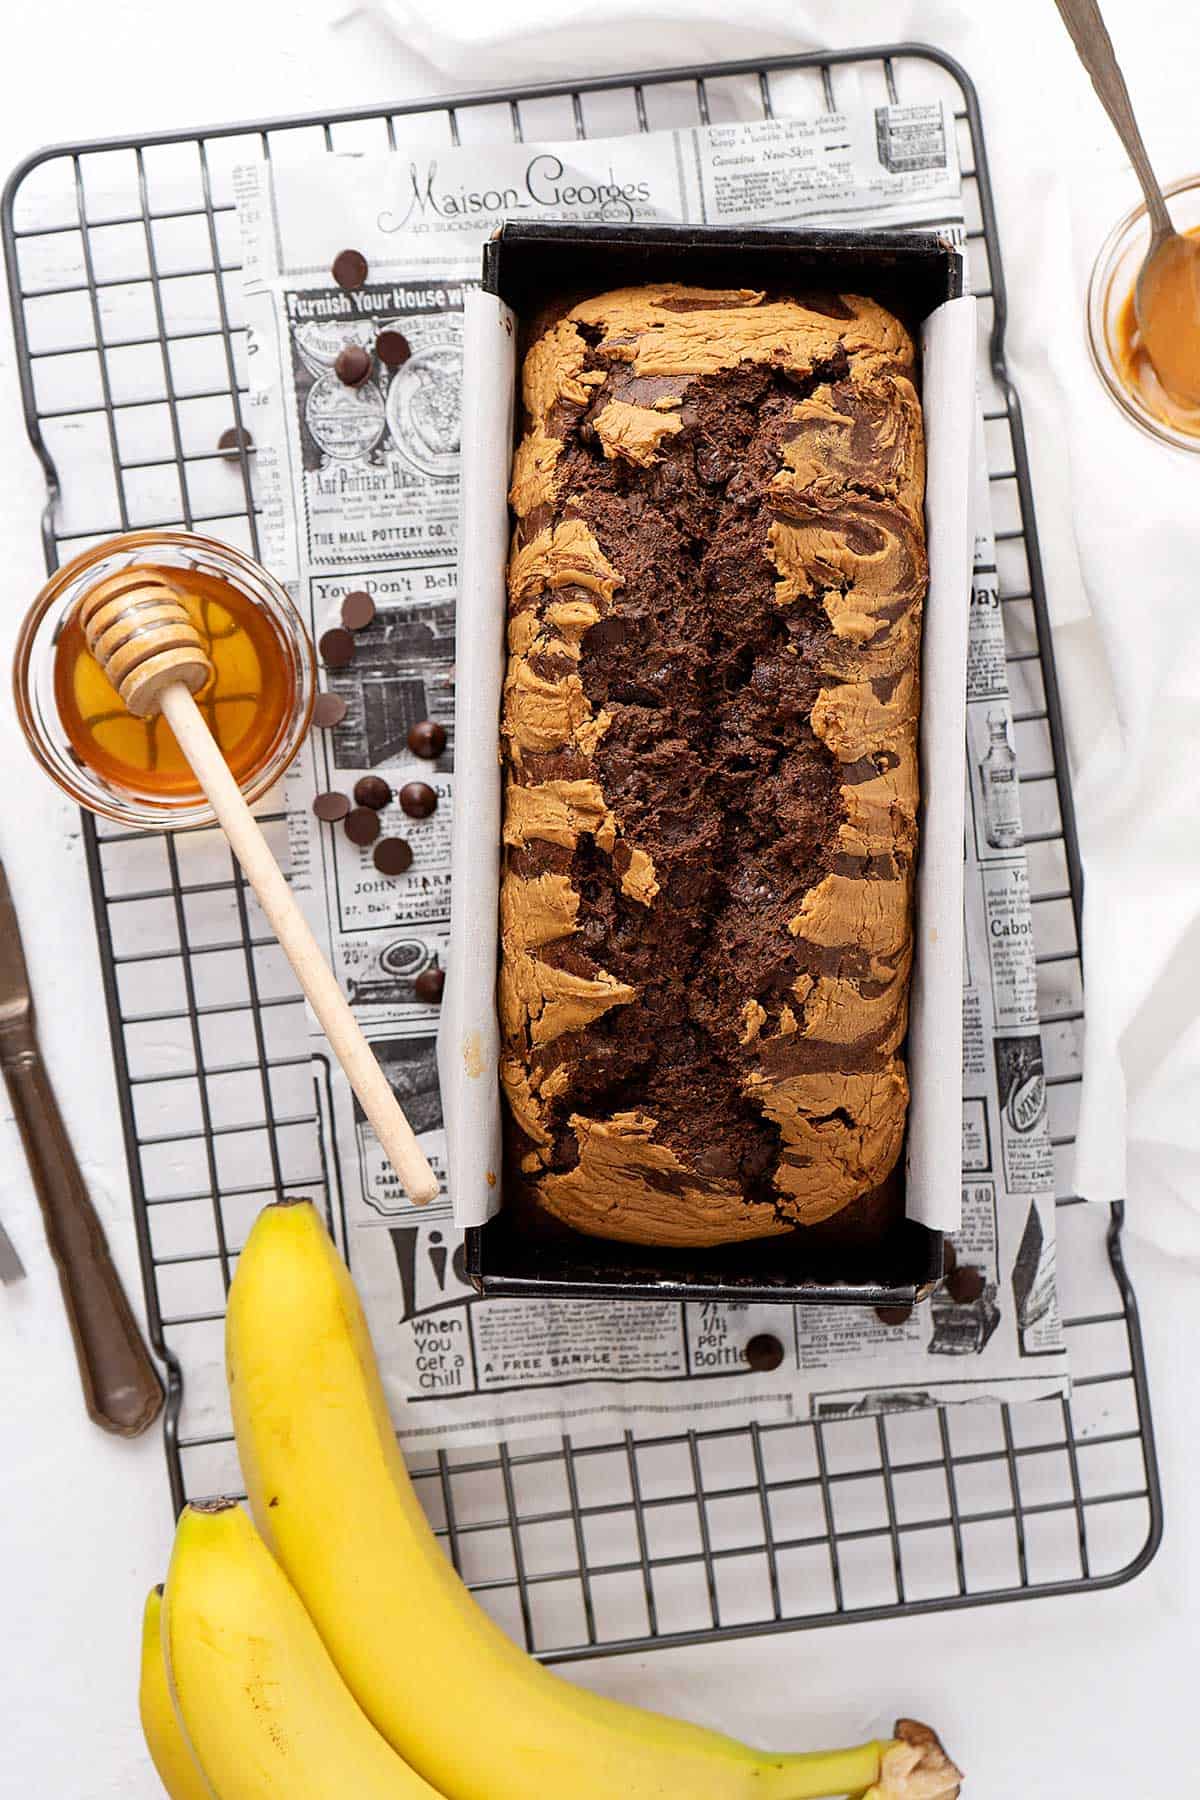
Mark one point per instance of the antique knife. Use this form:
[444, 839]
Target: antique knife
[11, 1267]
[121, 1388]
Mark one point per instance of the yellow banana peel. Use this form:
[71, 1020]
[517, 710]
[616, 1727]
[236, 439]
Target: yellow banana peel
[455, 1697]
[265, 1710]
[169, 1750]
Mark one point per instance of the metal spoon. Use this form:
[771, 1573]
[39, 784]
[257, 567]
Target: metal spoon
[1167, 295]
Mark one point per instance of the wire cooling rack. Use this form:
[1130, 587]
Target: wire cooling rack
[123, 270]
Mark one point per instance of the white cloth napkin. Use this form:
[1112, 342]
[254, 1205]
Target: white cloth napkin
[534, 40]
[1130, 657]
[1118, 515]
[1120, 532]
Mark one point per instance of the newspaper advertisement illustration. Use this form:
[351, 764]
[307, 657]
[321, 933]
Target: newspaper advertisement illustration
[358, 485]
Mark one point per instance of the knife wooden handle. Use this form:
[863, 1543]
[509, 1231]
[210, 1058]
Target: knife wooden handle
[121, 1388]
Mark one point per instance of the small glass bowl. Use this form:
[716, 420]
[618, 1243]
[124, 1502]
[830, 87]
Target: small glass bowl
[1115, 272]
[34, 667]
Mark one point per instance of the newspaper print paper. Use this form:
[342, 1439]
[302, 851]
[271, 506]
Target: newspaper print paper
[359, 490]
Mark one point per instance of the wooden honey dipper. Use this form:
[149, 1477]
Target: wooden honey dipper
[141, 634]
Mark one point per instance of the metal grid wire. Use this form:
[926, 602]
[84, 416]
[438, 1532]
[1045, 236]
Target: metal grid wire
[123, 269]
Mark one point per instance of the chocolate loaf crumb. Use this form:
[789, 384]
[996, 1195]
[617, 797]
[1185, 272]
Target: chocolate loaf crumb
[709, 730]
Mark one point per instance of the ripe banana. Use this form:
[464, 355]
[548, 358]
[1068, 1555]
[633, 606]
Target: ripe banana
[169, 1750]
[479, 1718]
[266, 1711]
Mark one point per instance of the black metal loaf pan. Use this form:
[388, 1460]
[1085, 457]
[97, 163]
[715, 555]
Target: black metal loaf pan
[869, 1255]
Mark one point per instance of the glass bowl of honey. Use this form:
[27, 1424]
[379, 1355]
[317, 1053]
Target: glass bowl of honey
[1117, 352]
[258, 702]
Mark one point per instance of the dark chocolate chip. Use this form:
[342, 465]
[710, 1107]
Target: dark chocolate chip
[358, 609]
[393, 856]
[965, 1284]
[352, 365]
[712, 465]
[427, 738]
[337, 647]
[418, 799]
[373, 791]
[428, 986]
[608, 634]
[718, 1159]
[893, 1315]
[331, 807]
[393, 349]
[362, 826]
[328, 710]
[764, 1351]
[233, 439]
[349, 268]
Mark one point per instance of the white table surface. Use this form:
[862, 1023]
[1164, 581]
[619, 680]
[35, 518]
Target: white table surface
[1090, 1695]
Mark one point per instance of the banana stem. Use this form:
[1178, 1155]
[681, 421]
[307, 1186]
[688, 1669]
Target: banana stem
[820, 1774]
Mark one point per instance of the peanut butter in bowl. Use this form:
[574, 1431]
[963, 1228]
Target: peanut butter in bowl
[1167, 409]
[1171, 394]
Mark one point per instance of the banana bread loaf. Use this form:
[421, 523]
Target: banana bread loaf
[709, 736]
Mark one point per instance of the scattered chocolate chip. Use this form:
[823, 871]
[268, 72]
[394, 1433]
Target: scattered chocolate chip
[965, 1284]
[362, 826]
[331, 807]
[428, 986]
[393, 856]
[949, 1257]
[337, 647]
[893, 1315]
[358, 609]
[764, 1351]
[233, 439]
[349, 268]
[427, 738]
[352, 365]
[393, 349]
[418, 799]
[328, 710]
[373, 791]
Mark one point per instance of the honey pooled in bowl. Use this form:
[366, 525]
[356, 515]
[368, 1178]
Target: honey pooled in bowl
[246, 703]
[1139, 376]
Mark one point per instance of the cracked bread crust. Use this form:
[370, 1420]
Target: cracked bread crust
[709, 737]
